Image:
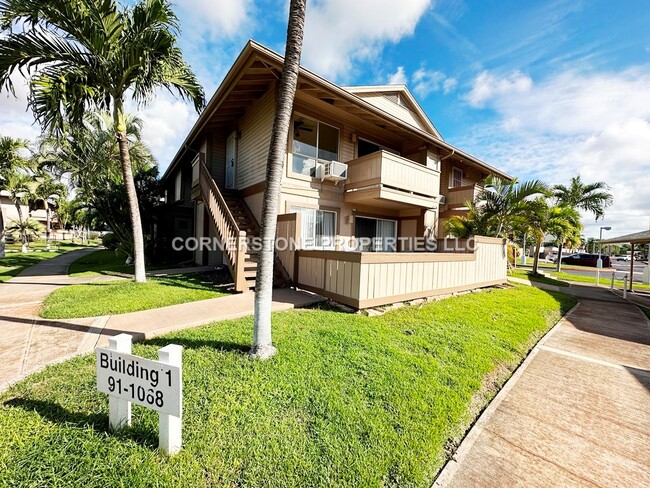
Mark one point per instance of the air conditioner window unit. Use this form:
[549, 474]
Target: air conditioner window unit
[333, 171]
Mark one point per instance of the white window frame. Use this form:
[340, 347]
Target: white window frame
[295, 174]
[306, 239]
[454, 169]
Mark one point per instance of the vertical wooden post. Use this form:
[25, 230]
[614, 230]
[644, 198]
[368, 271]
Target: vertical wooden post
[119, 410]
[170, 430]
[632, 267]
[239, 264]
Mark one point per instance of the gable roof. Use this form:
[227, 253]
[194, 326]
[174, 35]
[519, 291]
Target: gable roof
[376, 94]
[257, 64]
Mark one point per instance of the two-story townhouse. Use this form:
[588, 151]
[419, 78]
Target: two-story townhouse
[366, 175]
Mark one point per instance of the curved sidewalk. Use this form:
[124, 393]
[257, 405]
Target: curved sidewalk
[576, 413]
[28, 342]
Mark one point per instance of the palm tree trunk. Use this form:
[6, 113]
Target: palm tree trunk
[538, 246]
[558, 267]
[23, 233]
[262, 343]
[2, 234]
[47, 226]
[132, 196]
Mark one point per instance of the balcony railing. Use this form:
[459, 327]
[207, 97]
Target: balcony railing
[456, 197]
[382, 169]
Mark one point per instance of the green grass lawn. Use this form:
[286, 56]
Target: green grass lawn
[104, 262]
[349, 400]
[605, 279]
[115, 297]
[528, 275]
[39, 245]
[15, 262]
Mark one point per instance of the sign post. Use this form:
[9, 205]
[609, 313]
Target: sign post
[119, 409]
[170, 426]
[157, 385]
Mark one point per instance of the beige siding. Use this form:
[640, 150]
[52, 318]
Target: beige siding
[255, 138]
[399, 111]
[371, 279]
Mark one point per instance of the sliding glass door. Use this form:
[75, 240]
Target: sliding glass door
[377, 235]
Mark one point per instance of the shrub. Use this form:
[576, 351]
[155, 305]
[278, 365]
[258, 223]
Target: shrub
[110, 241]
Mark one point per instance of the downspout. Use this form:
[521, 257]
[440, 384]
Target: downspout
[453, 151]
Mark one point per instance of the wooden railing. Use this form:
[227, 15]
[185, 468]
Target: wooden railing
[233, 238]
[385, 168]
[456, 197]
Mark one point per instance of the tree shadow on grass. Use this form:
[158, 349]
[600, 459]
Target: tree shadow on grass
[55, 413]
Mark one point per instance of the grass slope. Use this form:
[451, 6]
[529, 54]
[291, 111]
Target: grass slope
[348, 400]
[115, 297]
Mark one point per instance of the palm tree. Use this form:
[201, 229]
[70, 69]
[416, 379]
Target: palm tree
[49, 191]
[262, 342]
[10, 159]
[503, 201]
[18, 185]
[560, 221]
[91, 54]
[474, 223]
[89, 154]
[26, 228]
[590, 197]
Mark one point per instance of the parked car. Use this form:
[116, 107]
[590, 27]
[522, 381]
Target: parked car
[624, 257]
[584, 259]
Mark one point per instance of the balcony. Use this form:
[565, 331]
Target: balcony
[383, 179]
[456, 197]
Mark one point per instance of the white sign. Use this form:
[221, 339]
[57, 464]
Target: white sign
[152, 384]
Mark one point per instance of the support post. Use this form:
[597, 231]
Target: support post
[119, 410]
[611, 286]
[632, 267]
[170, 427]
[625, 286]
[523, 252]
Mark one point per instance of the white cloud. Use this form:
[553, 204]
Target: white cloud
[15, 119]
[596, 125]
[166, 123]
[399, 77]
[218, 18]
[449, 85]
[426, 82]
[340, 32]
[486, 87]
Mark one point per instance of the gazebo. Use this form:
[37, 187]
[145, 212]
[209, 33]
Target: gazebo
[642, 237]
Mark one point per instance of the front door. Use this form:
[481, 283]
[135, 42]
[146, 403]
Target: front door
[231, 159]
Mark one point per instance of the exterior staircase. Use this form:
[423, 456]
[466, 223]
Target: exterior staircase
[236, 225]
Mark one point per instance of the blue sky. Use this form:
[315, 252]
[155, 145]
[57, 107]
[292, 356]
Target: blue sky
[541, 89]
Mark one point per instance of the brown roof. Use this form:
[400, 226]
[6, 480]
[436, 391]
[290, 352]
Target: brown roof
[249, 76]
[642, 237]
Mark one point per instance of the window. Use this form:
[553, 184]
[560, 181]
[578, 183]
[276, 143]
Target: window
[375, 234]
[178, 187]
[456, 177]
[318, 228]
[313, 141]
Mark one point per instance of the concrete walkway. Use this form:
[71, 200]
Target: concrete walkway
[28, 342]
[576, 413]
